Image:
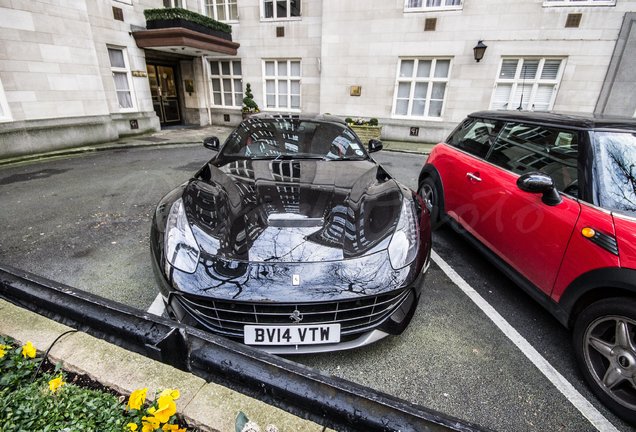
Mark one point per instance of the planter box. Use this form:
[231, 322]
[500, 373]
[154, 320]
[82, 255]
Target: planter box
[365, 133]
[183, 23]
[248, 114]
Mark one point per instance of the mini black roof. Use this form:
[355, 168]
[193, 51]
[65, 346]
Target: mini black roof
[570, 120]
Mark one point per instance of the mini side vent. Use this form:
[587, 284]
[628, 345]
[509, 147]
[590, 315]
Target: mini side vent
[573, 20]
[280, 31]
[118, 13]
[430, 24]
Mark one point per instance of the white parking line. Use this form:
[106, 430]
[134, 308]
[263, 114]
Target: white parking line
[157, 307]
[583, 405]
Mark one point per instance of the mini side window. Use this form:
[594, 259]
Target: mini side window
[475, 136]
[523, 148]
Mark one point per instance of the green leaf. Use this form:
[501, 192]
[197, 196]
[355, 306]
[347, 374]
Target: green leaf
[176, 13]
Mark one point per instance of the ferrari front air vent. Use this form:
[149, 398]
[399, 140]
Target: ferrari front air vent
[228, 317]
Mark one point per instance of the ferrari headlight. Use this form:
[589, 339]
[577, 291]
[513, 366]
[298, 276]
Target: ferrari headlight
[405, 241]
[181, 249]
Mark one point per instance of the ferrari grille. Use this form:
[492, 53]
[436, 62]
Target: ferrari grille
[228, 317]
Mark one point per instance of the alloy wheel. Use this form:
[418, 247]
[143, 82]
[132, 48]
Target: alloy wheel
[610, 356]
[427, 194]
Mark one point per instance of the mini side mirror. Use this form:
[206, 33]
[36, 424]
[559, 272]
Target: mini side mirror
[212, 143]
[538, 182]
[375, 145]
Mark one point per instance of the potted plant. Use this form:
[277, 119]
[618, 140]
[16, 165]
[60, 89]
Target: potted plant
[249, 105]
[178, 17]
[365, 129]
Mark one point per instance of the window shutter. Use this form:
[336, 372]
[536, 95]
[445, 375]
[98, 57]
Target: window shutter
[551, 69]
[501, 96]
[508, 69]
[543, 97]
[522, 91]
[529, 69]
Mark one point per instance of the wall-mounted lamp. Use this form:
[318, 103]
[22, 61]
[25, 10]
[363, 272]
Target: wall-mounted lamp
[479, 50]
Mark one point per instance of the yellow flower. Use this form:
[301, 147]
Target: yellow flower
[28, 350]
[166, 408]
[149, 424]
[173, 393]
[132, 426]
[137, 398]
[3, 351]
[172, 428]
[56, 383]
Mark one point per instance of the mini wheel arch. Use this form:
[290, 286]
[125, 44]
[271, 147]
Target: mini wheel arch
[430, 173]
[594, 286]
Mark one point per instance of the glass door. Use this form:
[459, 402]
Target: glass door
[163, 89]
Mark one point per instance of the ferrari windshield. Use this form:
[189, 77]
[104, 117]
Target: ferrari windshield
[615, 170]
[290, 138]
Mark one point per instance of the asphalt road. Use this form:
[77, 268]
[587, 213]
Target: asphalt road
[85, 220]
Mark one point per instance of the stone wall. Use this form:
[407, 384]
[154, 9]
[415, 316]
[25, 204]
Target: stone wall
[39, 136]
[361, 46]
[56, 82]
[617, 97]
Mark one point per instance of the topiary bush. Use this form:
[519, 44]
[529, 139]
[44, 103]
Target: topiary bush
[179, 13]
[249, 105]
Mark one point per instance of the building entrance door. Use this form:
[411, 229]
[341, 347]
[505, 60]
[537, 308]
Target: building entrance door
[163, 87]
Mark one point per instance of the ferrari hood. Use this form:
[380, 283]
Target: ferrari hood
[292, 210]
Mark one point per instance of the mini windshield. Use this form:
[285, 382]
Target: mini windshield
[615, 170]
[289, 138]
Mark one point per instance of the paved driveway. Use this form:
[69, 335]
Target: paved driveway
[84, 221]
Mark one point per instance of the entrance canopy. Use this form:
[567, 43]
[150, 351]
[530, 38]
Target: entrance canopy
[184, 41]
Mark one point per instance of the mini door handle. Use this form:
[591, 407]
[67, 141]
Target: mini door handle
[473, 177]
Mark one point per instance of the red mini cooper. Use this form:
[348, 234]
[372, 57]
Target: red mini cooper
[551, 199]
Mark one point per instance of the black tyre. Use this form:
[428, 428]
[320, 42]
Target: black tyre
[430, 193]
[605, 348]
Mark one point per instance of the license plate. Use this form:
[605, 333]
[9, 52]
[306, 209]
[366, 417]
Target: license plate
[292, 335]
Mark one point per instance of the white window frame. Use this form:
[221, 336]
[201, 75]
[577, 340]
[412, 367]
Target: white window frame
[232, 77]
[536, 82]
[275, 17]
[413, 80]
[443, 6]
[573, 3]
[277, 79]
[125, 70]
[211, 5]
[5, 113]
[173, 3]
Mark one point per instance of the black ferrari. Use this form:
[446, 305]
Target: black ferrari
[293, 239]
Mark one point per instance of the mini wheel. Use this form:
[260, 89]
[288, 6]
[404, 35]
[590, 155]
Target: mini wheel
[430, 193]
[605, 348]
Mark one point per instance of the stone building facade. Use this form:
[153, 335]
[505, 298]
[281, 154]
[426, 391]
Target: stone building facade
[79, 71]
